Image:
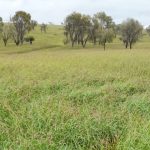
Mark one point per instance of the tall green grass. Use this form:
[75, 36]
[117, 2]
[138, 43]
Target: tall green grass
[74, 99]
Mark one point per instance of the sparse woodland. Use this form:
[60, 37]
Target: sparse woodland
[75, 86]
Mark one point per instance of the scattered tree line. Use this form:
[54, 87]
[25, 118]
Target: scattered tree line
[79, 29]
[17, 27]
[100, 29]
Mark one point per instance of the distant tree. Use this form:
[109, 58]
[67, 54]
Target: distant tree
[72, 23]
[148, 30]
[117, 29]
[43, 27]
[1, 21]
[6, 33]
[104, 29]
[131, 30]
[103, 20]
[81, 28]
[84, 30]
[77, 29]
[22, 24]
[106, 36]
[1, 26]
[14, 35]
[33, 24]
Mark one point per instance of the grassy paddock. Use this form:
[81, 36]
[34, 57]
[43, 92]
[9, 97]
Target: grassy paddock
[57, 98]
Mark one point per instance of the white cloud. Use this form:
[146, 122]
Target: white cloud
[56, 10]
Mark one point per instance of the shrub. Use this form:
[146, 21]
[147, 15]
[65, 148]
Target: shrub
[29, 39]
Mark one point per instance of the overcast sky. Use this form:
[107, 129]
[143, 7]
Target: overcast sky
[56, 10]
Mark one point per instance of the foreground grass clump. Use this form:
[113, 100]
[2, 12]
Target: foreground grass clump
[71, 99]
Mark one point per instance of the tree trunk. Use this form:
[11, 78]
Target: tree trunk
[84, 43]
[5, 42]
[22, 41]
[94, 40]
[126, 45]
[72, 43]
[104, 46]
[130, 45]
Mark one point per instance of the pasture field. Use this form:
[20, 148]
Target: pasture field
[53, 97]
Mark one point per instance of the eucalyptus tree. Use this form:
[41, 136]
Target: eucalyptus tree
[77, 29]
[1, 22]
[84, 31]
[43, 27]
[131, 31]
[104, 29]
[72, 26]
[22, 24]
[1, 26]
[6, 33]
[106, 36]
[33, 24]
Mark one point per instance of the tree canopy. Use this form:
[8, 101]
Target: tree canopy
[131, 30]
[104, 28]
[80, 28]
[22, 24]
